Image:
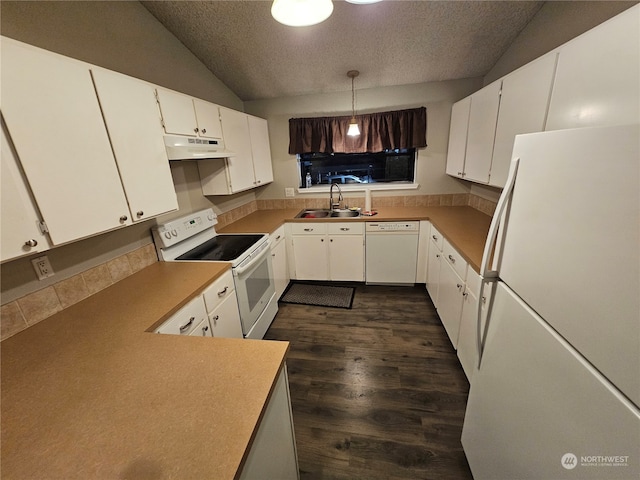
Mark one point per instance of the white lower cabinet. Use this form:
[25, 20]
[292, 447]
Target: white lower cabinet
[328, 251]
[190, 320]
[434, 260]
[273, 453]
[222, 307]
[213, 314]
[423, 251]
[279, 258]
[450, 301]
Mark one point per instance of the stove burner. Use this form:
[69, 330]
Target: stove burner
[222, 247]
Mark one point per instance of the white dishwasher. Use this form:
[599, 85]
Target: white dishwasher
[391, 252]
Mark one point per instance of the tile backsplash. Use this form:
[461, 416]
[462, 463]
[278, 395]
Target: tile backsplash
[26, 311]
[34, 307]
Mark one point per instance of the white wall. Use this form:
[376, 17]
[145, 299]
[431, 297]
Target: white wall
[437, 97]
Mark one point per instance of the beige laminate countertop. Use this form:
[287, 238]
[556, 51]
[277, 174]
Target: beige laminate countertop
[90, 394]
[464, 227]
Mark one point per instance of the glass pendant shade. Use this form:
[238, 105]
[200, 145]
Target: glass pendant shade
[354, 130]
[301, 13]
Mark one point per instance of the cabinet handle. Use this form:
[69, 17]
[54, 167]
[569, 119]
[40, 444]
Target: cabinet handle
[215, 319]
[434, 237]
[195, 129]
[453, 260]
[31, 243]
[465, 294]
[459, 286]
[345, 229]
[204, 130]
[223, 291]
[437, 255]
[278, 237]
[322, 239]
[259, 181]
[484, 299]
[187, 325]
[205, 329]
[124, 218]
[308, 229]
[139, 213]
[460, 173]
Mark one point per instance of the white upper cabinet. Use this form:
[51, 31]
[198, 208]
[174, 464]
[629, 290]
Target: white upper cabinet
[260, 150]
[133, 123]
[53, 117]
[249, 165]
[598, 77]
[458, 137]
[20, 218]
[524, 102]
[185, 115]
[482, 126]
[208, 118]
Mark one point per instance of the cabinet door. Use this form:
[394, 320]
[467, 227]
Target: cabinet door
[458, 137]
[20, 232]
[467, 343]
[482, 128]
[523, 108]
[423, 252]
[433, 273]
[131, 113]
[311, 257]
[178, 116]
[346, 258]
[598, 75]
[280, 270]
[225, 319]
[208, 119]
[261, 150]
[235, 129]
[54, 120]
[450, 301]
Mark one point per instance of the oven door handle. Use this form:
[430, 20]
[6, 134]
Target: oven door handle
[240, 269]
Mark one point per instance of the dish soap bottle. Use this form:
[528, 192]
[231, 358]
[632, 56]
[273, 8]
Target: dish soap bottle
[308, 180]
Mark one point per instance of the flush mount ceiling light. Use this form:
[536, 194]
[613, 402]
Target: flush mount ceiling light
[301, 13]
[363, 2]
[354, 130]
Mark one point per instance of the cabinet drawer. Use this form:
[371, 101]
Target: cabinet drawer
[186, 320]
[311, 228]
[436, 237]
[277, 236]
[458, 263]
[345, 228]
[220, 289]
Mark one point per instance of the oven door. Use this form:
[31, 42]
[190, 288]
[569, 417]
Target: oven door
[254, 287]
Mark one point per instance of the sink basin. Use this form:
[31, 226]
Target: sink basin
[324, 213]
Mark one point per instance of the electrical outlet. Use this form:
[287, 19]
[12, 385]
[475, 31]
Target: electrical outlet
[42, 267]
[289, 192]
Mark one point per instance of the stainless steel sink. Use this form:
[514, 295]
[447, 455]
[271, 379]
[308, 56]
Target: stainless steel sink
[325, 212]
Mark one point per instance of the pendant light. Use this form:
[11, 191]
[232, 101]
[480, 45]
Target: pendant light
[354, 130]
[301, 13]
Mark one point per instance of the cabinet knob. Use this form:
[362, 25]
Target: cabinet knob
[322, 239]
[139, 213]
[124, 218]
[31, 243]
[460, 173]
[195, 129]
[437, 255]
[204, 130]
[331, 240]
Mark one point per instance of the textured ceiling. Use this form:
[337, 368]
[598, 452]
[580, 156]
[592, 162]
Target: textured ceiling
[390, 43]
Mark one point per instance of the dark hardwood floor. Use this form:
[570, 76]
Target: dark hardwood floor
[377, 391]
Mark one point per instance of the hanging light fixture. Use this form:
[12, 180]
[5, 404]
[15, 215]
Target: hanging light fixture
[301, 13]
[354, 130]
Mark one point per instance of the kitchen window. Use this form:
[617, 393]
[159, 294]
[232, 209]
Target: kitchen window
[389, 166]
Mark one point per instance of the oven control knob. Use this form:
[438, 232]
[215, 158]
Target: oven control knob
[210, 217]
[167, 235]
[174, 232]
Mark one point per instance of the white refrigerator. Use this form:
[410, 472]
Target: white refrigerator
[557, 391]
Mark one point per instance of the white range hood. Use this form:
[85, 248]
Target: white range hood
[193, 148]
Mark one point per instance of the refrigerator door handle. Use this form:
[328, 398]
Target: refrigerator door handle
[486, 274]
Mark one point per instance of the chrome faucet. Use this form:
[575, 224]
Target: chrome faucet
[332, 205]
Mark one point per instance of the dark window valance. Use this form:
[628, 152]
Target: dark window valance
[378, 132]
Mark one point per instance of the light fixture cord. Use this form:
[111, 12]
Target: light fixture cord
[353, 99]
